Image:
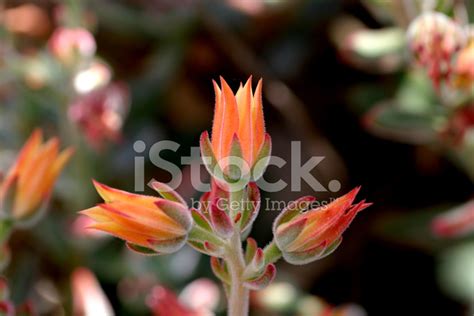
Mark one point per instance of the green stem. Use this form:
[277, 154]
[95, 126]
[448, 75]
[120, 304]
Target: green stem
[198, 233]
[238, 297]
[272, 253]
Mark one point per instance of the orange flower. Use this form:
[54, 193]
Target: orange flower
[148, 224]
[307, 236]
[238, 115]
[34, 173]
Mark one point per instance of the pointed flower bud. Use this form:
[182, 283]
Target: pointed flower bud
[239, 116]
[304, 237]
[148, 224]
[30, 180]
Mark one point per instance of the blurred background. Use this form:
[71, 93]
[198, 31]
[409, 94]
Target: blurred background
[344, 77]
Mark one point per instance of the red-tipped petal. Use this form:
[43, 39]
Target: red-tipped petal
[167, 192]
[219, 268]
[201, 220]
[252, 207]
[221, 222]
[250, 250]
[264, 280]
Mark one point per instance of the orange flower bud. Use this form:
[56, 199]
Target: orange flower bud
[32, 177]
[238, 115]
[148, 224]
[307, 236]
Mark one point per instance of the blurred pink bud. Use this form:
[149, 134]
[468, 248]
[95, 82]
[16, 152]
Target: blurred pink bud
[163, 302]
[201, 295]
[100, 114]
[456, 222]
[199, 298]
[434, 39]
[88, 297]
[70, 44]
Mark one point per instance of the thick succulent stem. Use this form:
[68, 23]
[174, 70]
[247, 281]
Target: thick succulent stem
[238, 296]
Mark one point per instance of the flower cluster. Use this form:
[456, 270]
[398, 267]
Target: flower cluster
[236, 156]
